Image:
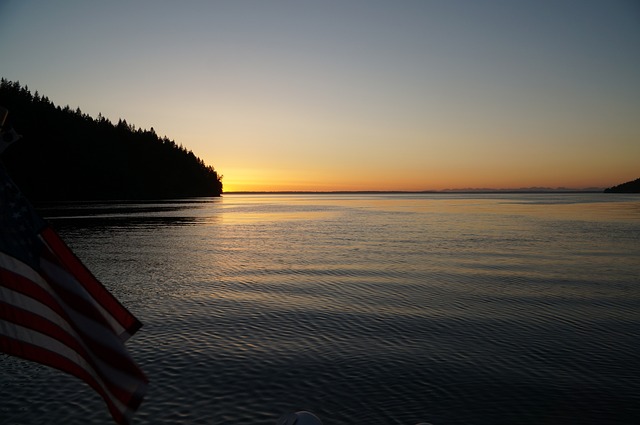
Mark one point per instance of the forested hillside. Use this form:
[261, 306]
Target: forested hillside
[628, 187]
[65, 154]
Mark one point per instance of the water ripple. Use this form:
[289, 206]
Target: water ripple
[372, 309]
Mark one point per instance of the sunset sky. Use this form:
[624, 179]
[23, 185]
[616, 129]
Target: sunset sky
[352, 95]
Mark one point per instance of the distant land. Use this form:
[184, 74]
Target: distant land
[526, 190]
[628, 187]
[68, 155]
[444, 191]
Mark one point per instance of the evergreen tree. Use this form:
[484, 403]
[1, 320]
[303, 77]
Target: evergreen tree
[68, 155]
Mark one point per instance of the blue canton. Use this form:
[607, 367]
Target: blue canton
[19, 223]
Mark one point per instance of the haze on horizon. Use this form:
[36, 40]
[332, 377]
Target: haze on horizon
[353, 95]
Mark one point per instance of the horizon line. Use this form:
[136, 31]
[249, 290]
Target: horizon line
[444, 191]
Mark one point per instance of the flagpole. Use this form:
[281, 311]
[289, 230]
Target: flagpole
[4, 112]
[8, 136]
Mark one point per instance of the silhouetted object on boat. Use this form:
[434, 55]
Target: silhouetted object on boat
[67, 155]
[299, 418]
[628, 187]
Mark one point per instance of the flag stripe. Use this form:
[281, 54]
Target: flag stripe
[55, 312]
[19, 309]
[66, 285]
[50, 344]
[76, 294]
[21, 284]
[92, 331]
[39, 317]
[48, 337]
[27, 287]
[107, 301]
[20, 348]
[94, 334]
[92, 323]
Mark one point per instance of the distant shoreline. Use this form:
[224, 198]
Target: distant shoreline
[416, 192]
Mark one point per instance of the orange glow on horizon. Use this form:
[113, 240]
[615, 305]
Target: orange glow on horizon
[247, 180]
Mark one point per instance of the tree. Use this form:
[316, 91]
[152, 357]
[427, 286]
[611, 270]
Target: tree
[66, 154]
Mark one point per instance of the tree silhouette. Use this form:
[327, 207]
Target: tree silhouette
[68, 155]
[628, 187]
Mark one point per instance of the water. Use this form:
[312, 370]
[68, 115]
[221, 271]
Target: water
[365, 309]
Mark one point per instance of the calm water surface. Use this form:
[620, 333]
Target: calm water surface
[365, 309]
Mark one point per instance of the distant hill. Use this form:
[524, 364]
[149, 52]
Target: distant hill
[535, 189]
[67, 155]
[628, 187]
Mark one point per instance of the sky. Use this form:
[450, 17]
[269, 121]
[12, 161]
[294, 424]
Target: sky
[352, 95]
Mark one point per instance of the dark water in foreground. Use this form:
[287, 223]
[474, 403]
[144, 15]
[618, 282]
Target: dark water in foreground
[365, 309]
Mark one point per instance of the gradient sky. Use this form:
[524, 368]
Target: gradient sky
[352, 95]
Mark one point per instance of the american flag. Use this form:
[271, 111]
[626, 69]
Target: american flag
[55, 312]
